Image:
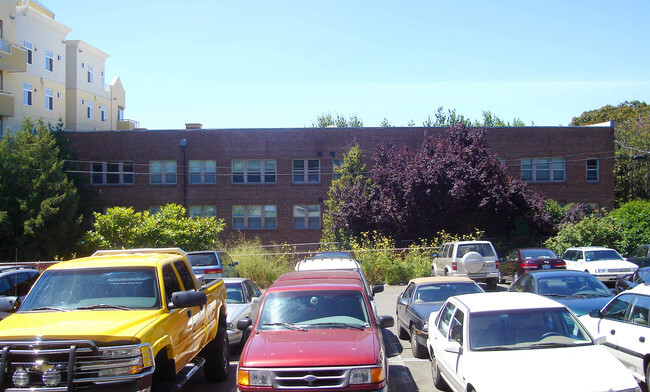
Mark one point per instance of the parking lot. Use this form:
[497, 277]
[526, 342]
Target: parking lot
[406, 373]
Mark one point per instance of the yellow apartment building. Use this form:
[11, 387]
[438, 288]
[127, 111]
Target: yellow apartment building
[45, 76]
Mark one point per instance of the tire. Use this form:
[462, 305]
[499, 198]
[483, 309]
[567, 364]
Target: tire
[217, 357]
[501, 278]
[438, 381]
[647, 375]
[164, 377]
[492, 283]
[417, 349]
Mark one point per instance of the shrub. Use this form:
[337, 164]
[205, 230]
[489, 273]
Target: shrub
[259, 264]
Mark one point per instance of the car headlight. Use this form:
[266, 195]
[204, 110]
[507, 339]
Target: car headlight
[367, 375]
[601, 270]
[119, 361]
[425, 327]
[261, 378]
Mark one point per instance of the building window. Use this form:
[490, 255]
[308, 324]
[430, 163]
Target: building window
[162, 172]
[203, 211]
[306, 217]
[543, 170]
[27, 94]
[90, 74]
[89, 109]
[102, 108]
[29, 48]
[254, 217]
[203, 172]
[49, 99]
[153, 210]
[49, 61]
[253, 171]
[120, 114]
[336, 162]
[593, 170]
[306, 171]
[112, 173]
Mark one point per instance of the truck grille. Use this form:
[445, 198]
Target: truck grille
[310, 378]
[65, 365]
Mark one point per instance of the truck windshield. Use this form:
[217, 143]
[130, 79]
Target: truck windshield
[314, 309]
[96, 288]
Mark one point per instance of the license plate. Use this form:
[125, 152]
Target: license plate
[546, 266]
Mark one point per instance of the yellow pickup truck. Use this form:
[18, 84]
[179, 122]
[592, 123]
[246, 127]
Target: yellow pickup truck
[127, 320]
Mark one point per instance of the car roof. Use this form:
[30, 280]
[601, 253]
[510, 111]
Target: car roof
[468, 242]
[504, 300]
[149, 257]
[234, 280]
[639, 289]
[558, 271]
[319, 279]
[327, 263]
[8, 268]
[441, 279]
[590, 248]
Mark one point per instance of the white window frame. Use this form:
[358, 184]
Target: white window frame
[543, 170]
[162, 172]
[303, 173]
[90, 74]
[49, 60]
[27, 94]
[254, 217]
[104, 115]
[112, 173]
[89, 109]
[29, 49]
[202, 172]
[244, 171]
[203, 211]
[49, 99]
[593, 172]
[304, 217]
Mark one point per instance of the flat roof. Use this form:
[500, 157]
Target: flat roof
[505, 300]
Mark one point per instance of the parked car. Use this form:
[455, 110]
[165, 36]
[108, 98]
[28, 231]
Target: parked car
[640, 276]
[421, 297]
[333, 255]
[315, 331]
[578, 290]
[212, 264]
[503, 341]
[640, 256]
[474, 259]
[520, 261]
[243, 299]
[622, 328]
[604, 263]
[15, 282]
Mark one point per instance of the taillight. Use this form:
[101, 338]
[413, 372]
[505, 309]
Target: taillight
[213, 271]
[528, 265]
[559, 264]
[496, 264]
[454, 266]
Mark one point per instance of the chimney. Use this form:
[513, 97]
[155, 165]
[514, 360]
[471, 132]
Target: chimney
[193, 126]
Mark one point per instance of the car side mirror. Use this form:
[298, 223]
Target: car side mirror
[386, 321]
[434, 254]
[595, 313]
[243, 324]
[188, 299]
[378, 288]
[9, 304]
[453, 347]
[234, 263]
[403, 301]
[255, 299]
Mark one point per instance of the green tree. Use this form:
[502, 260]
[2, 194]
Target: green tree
[445, 119]
[634, 218]
[123, 228]
[632, 138]
[350, 174]
[39, 204]
[590, 231]
[340, 121]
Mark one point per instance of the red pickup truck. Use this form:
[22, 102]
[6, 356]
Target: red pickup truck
[316, 330]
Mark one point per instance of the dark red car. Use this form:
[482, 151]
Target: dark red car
[520, 261]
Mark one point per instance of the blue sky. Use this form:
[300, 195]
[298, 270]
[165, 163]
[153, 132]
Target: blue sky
[271, 64]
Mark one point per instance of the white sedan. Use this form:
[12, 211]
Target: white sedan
[508, 341]
[622, 327]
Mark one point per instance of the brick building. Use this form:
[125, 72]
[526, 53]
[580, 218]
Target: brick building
[271, 183]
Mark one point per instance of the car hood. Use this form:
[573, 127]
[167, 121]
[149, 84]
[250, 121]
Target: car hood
[611, 264]
[582, 306]
[235, 311]
[424, 309]
[98, 326]
[314, 347]
[592, 369]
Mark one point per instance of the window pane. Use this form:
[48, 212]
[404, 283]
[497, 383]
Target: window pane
[269, 166]
[127, 170]
[270, 223]
[254, 166]
[298, 164]
[254, 223]
[195, 166]
[299, 211]
[112, 175]
[254, 211]
[270, 211]
[313, 164]
[97, 175]
[210, 211]
[238, 211]
[195, 211]
[155, 166]
[195, 178]
[237, 223]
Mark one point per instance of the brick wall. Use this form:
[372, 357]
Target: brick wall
[575, 144]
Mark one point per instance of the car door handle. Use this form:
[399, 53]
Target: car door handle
[642, 339]
[613, 332]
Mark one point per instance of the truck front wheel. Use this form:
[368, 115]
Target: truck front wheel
[216, 355]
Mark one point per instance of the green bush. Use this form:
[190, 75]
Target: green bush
[259, 264]
[591, 231]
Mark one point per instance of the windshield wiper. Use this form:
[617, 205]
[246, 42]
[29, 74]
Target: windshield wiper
[288, 326]
[497, 348]
[341, 325]
[552, 345]
[102, 306]
[553, 295]
[47, 308]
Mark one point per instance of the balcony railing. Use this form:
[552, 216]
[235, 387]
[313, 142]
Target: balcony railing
[6, 104]
[13, 58]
